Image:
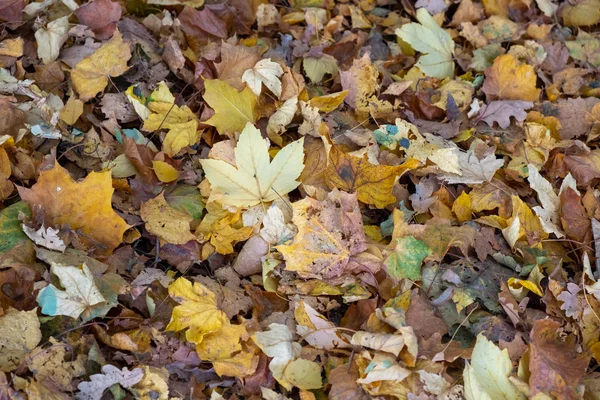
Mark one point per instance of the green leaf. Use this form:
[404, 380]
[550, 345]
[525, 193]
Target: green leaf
[406, 260]
[11, 232]
[186, 199]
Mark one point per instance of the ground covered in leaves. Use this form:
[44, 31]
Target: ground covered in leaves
[304, 199]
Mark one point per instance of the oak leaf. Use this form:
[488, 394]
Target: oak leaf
[83, 206]
[372, 183]
[91, 75]
[500, 111]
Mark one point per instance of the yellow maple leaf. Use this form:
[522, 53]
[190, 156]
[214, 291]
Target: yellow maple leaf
[84, 206]
[197, 310]
[372, 183]
[180, 122]
[506, 80]
[233, 109]
[223, 228]
[165, 222]
[90, 76]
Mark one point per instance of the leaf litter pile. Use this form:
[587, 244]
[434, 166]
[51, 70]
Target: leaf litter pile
[303, 199]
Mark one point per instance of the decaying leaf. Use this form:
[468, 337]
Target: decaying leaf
[111, 375]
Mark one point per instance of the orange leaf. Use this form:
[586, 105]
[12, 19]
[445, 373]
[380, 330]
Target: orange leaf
[84, 206]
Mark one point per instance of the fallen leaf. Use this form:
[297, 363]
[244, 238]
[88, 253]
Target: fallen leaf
[287, 368]
[197, 310]
[264, 72]
[501, 111]
[507, 80]
[111, 375]
[437, 45]
[256, 179]
[556, 367]
[486, 377]
[100, 16]
[59, 197]
[473, 169]
[372, 183]
[91, 75]
[233, 109]
[80, 295]
[330, 236]
[45, 237]
[180, 121]
[168, 224]
[406, 259]
[51, 38]
[19, 334]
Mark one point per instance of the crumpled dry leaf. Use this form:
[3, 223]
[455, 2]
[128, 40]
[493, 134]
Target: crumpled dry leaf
[330, 237]
[372, 183]
[111, 375]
